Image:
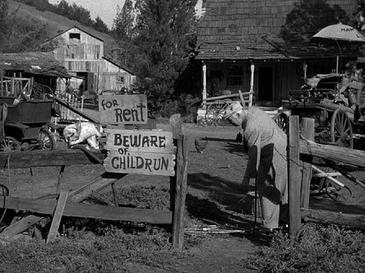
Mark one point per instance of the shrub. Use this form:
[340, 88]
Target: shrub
[318, 249]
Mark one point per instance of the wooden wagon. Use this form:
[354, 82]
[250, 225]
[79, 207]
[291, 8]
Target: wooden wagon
[338, 109]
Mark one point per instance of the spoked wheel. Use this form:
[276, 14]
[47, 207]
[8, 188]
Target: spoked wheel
[9, 144]
[45, 140]
[341, 130]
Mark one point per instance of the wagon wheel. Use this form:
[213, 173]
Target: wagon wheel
[45, 140]
[341, 129]
[9, 144]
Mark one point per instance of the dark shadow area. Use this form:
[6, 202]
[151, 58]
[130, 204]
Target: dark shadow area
[235, 148]
[225, 200]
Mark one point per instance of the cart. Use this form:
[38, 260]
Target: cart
[25, 125]
[339, 120]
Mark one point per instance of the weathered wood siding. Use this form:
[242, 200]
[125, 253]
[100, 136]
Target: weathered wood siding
[81, 52]
[113, 77]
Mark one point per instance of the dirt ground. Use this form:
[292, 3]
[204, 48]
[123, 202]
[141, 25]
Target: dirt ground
[212, 199]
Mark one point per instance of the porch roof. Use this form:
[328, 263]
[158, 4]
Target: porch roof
[41, 63]
[249, 30]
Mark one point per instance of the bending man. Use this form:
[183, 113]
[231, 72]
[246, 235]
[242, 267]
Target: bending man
[266, 144]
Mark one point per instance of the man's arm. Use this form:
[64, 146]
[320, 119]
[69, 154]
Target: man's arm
[253, 138]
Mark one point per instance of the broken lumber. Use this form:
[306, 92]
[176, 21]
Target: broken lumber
[330, 217]
[344, 155]
[86, 211]
[57, 216]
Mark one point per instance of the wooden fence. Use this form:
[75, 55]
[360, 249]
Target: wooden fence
[301, 155]
[13, 86]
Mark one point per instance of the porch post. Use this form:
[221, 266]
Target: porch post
[305, 67]
[204, 83]
[252, 68]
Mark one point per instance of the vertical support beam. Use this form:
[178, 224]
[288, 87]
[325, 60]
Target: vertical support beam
[337, 63]
[180, 192]
[308, 133]
[60, 207]
[204, 67]
[1, 82]
[252, 68]
[305, 68]
[294, 177]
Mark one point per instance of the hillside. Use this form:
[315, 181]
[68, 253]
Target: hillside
[55, 23]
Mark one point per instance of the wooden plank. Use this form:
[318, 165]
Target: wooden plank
[228, 96]
[180, 192]
[69, 107]
[86, 211]
[331, 217]
[115, 195]
[28, 159]
[97, 184]
[57, 216]
[308, 133]
[77, 195]
[339, 154]
[123, 109]
[294, 177]
[19, 226]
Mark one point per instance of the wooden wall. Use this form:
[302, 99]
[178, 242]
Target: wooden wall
[85, 54]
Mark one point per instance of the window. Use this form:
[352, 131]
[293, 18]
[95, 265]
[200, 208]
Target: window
[75, 37]
[235, 76]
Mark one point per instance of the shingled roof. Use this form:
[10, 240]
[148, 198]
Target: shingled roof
[234, 29]
[40, 63]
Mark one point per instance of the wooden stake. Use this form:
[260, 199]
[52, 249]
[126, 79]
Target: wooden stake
[180, 192]
[308, 133]
[61, 203]
[115, 197]
[294, 177]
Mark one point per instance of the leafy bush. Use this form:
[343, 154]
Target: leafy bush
[318, 249]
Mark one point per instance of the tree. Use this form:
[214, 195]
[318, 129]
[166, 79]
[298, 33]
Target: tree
[123, 24]
[99, 25]
[308, 17]
[162, 43]
[4, 7]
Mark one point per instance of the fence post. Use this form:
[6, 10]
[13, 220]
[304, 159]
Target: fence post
[294, 177]
[308, 133]
[180, 192]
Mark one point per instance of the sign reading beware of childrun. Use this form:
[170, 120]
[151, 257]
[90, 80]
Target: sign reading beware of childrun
[123, 109]
[150, 152]
[140, 151]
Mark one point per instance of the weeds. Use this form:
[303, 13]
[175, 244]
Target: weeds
[318, 249]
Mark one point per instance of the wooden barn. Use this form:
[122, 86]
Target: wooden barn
[240, 49]
[83, 54]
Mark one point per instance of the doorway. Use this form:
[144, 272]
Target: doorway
[265, 84]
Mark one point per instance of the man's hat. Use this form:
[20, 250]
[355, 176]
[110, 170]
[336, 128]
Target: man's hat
[231, 109]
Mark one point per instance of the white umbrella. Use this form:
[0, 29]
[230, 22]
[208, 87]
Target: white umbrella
[340, 33]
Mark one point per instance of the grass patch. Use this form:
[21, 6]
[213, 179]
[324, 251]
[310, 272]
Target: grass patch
[318, 249]
[80, 253]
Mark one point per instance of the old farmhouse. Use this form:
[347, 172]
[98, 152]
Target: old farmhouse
[239, 50]
[83, 55]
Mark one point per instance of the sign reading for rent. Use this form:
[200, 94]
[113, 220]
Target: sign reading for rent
[123, 109]
[139, 151]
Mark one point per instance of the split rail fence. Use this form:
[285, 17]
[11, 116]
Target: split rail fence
[302, 152]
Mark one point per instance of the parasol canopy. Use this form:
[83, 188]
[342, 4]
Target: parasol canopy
[339, 33]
